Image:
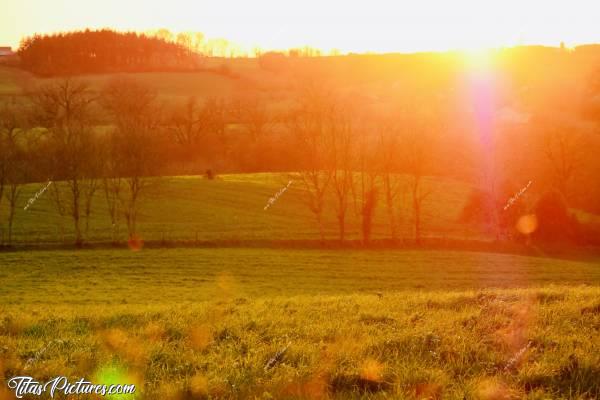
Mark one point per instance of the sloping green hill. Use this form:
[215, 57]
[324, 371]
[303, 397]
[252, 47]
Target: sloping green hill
[232, 208]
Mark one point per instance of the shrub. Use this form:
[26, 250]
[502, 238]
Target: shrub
[367, 212]
[555, 223]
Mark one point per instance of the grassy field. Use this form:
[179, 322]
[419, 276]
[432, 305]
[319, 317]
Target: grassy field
[258, 323]
[274, 324]
[502, 344]
[192, 275]
[232, 208]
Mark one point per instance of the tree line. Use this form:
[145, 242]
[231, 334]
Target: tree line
[347, 156]
[115, 142]
[102, 51]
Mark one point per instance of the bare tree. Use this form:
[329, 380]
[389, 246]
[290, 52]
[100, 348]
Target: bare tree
[418, 195]
[10, 125]
[90, 185]
[112, 190]
[136, 140]
[364, 188]
[197, 126]
[112, 184]
[16, 178]
[8, 128]
[591, 100]
[309, 124]
[13, 166]
[562, 149]
[188, 125]
[57, 197]
[390, 153]
[214, 115]
[253, 114]
[490, 172]
[342, 153]
[64, 108]
[418, 144]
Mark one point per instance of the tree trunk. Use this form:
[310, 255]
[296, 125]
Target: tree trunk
[75, 212]
[319, 216]
[78, 236]
[417, 224]
[10, 224]
[390, 209]
[342, 225]
[417, 215]
[89, 197]
[12, 202]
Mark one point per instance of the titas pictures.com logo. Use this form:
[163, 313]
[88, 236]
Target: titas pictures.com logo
[26, 385]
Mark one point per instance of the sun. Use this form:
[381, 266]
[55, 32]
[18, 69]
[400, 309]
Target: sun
[479, 59]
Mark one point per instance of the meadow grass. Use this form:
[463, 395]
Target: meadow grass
[304, 324]
[490, 344]
[232, 208]
[173, 275]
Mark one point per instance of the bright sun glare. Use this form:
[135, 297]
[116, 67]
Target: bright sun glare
[375, 26]
[478, 59]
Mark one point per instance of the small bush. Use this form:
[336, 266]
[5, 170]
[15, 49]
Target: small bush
[555, 224]
[368, 211]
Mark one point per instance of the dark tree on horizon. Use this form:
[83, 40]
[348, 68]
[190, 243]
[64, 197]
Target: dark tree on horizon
[102, 51]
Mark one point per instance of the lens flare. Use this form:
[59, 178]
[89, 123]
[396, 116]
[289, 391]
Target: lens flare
[200, 337]
[116, 375]
[527, 224]
[198, 386]
[372, 370]
[135, 243]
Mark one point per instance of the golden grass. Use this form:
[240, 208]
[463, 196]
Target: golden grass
[397, 345]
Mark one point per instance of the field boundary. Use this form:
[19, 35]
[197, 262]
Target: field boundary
[581, 253]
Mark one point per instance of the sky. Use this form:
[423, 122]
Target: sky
[347, 25]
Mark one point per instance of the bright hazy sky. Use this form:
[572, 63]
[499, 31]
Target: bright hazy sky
[373, 25]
